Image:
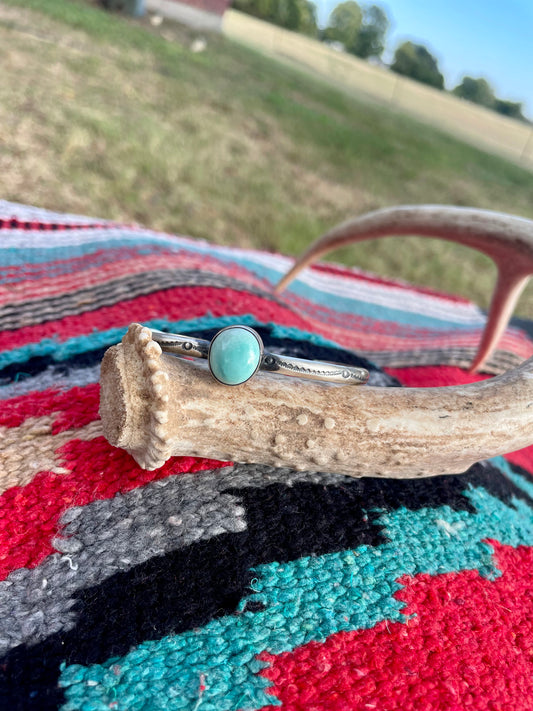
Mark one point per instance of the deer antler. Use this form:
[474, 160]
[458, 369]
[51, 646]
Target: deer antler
[155, 406]
[506, 239]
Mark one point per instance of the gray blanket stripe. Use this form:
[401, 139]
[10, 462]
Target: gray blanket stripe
[52, 377]
[112, 535]
[499, 362]
[90, 298]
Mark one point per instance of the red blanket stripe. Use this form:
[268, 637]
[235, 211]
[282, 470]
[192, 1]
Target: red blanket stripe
[29, 515]
[467, 644]
[73, 408]
[90, 272]
[522, 458]
[434, 376]
[182, 303]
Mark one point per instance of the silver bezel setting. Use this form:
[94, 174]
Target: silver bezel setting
[261, 351]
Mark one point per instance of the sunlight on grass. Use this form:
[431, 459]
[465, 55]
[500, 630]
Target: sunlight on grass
[104, 116]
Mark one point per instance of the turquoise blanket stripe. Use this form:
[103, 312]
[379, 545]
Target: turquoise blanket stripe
[62, 350]
[357, 592]
[21, 256]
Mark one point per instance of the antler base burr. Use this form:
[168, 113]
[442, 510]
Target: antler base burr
[156, 405]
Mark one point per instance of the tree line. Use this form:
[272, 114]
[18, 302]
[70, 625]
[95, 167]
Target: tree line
[362, 31]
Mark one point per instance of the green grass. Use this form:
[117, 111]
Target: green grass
[111, 117]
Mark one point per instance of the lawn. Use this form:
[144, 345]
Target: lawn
[114, 118]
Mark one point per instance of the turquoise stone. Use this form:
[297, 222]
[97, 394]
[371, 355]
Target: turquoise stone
[234, 355]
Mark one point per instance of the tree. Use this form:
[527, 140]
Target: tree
[297, 15]
[415, 61]
[288, 14]
[477, 90]
[510, 108]
[370, 41]
[307, 24]
[344, 24]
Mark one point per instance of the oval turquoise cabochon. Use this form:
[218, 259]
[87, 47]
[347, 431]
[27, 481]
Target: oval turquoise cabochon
[234, 355]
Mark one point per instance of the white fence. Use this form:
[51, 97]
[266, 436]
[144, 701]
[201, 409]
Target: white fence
[475, 124]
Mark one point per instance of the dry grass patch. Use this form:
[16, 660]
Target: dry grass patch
[105, 117]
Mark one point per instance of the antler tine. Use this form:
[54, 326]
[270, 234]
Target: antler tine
[156, 406]
[506, 239]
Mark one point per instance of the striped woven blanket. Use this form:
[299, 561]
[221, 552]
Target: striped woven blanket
[212, 586]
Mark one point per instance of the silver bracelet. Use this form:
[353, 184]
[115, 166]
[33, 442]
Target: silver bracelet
[236, 353]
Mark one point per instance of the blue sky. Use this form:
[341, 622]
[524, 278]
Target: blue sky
[489, 38]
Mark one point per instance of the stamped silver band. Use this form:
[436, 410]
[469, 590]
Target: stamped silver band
[181, 345]
[270, 362]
